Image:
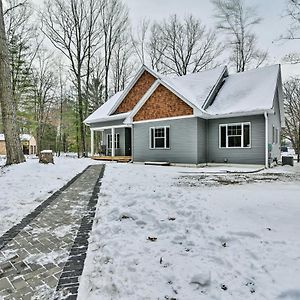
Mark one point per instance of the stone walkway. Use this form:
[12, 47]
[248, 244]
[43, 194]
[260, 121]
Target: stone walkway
[52, 244]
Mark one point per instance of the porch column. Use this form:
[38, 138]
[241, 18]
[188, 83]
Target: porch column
[113, 141]
[92, 142]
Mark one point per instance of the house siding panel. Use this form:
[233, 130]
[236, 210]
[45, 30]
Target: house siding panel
[136, 93]
[274, 120]
[121, 132]
[253, 155]
[201, 140]
[162, 104]
[183, 142]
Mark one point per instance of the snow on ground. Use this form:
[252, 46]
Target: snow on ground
[25, 186]
[162, 233]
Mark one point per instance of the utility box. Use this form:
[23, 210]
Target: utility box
[46, 157]
[288, 160]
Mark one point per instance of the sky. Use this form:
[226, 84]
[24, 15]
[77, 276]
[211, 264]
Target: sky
[273, 24]
[273, 13]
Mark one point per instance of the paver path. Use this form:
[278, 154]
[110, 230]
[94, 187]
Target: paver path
[53, 243]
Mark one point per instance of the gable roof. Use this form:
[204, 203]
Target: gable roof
[196, 87]
[252, 90]
[103, 112]
[249, 92]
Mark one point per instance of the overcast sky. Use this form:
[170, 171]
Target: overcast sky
[272, 12]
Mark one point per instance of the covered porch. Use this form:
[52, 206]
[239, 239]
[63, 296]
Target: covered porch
[114, 143]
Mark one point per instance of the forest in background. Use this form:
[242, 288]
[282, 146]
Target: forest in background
[69, 57]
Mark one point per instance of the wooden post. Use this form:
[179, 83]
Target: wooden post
[92, 142]
[113, 141]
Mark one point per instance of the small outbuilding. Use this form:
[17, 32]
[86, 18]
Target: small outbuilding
[28, 144]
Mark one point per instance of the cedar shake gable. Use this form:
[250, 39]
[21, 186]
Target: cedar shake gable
[136, 93]
[162, 104]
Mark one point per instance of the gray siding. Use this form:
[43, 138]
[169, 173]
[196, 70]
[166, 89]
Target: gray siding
[106, 124]
[201, 140]
[121, 131]
[183, 142]
[274, 120]
[253, 155]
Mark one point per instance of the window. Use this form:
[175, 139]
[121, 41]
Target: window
[273, 134]
[160, 137]
[235, 135]
[277, 136]
[117, 141]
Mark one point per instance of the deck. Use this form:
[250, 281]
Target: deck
[113, 158]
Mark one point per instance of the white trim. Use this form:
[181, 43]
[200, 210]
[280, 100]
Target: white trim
[165, 138]
[166, 85]
[242, 135]
[116, 140]
[165, 119]
[92, 142]
[266, 141]
[141, 102]
[224, 72]
[110, 127]
[108, 119]
[131, 84]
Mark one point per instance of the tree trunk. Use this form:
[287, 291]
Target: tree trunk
[12, 139]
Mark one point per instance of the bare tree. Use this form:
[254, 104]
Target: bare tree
[45, 93]
[72, 27]
[12, 139]
[292, 113]
[183, 47]
[122, 64]
[139, 40]
[114, 21]
[293, 32]
[237, 21]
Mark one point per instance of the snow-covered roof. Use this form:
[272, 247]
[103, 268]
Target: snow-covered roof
[196, 87]
[249, 91]
[23, 137]
[102, 113]
[241, 93]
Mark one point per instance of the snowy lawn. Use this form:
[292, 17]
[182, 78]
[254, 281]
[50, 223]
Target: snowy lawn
[168, 233]
[25, 186]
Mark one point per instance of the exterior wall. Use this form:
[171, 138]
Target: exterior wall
[253, 155]
[274, 120]
[162, 104]
[2, 148]
[121, 131]
[136, 93]
[201, 140]
[183, 142]
[107, 124]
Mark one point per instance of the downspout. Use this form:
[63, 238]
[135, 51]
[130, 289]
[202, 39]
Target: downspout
[266, 141]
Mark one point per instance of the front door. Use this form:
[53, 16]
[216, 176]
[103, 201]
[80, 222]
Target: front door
[128, 142]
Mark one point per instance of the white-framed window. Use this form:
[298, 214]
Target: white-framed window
[159, 137]
[273, 134]
[235, 135]
[117, 141]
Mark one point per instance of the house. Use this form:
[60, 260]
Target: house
[28, 144]
[206, 117]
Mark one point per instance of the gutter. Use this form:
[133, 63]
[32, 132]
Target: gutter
[266, 140]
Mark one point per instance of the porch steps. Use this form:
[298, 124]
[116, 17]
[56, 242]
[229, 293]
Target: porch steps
[124, 159]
